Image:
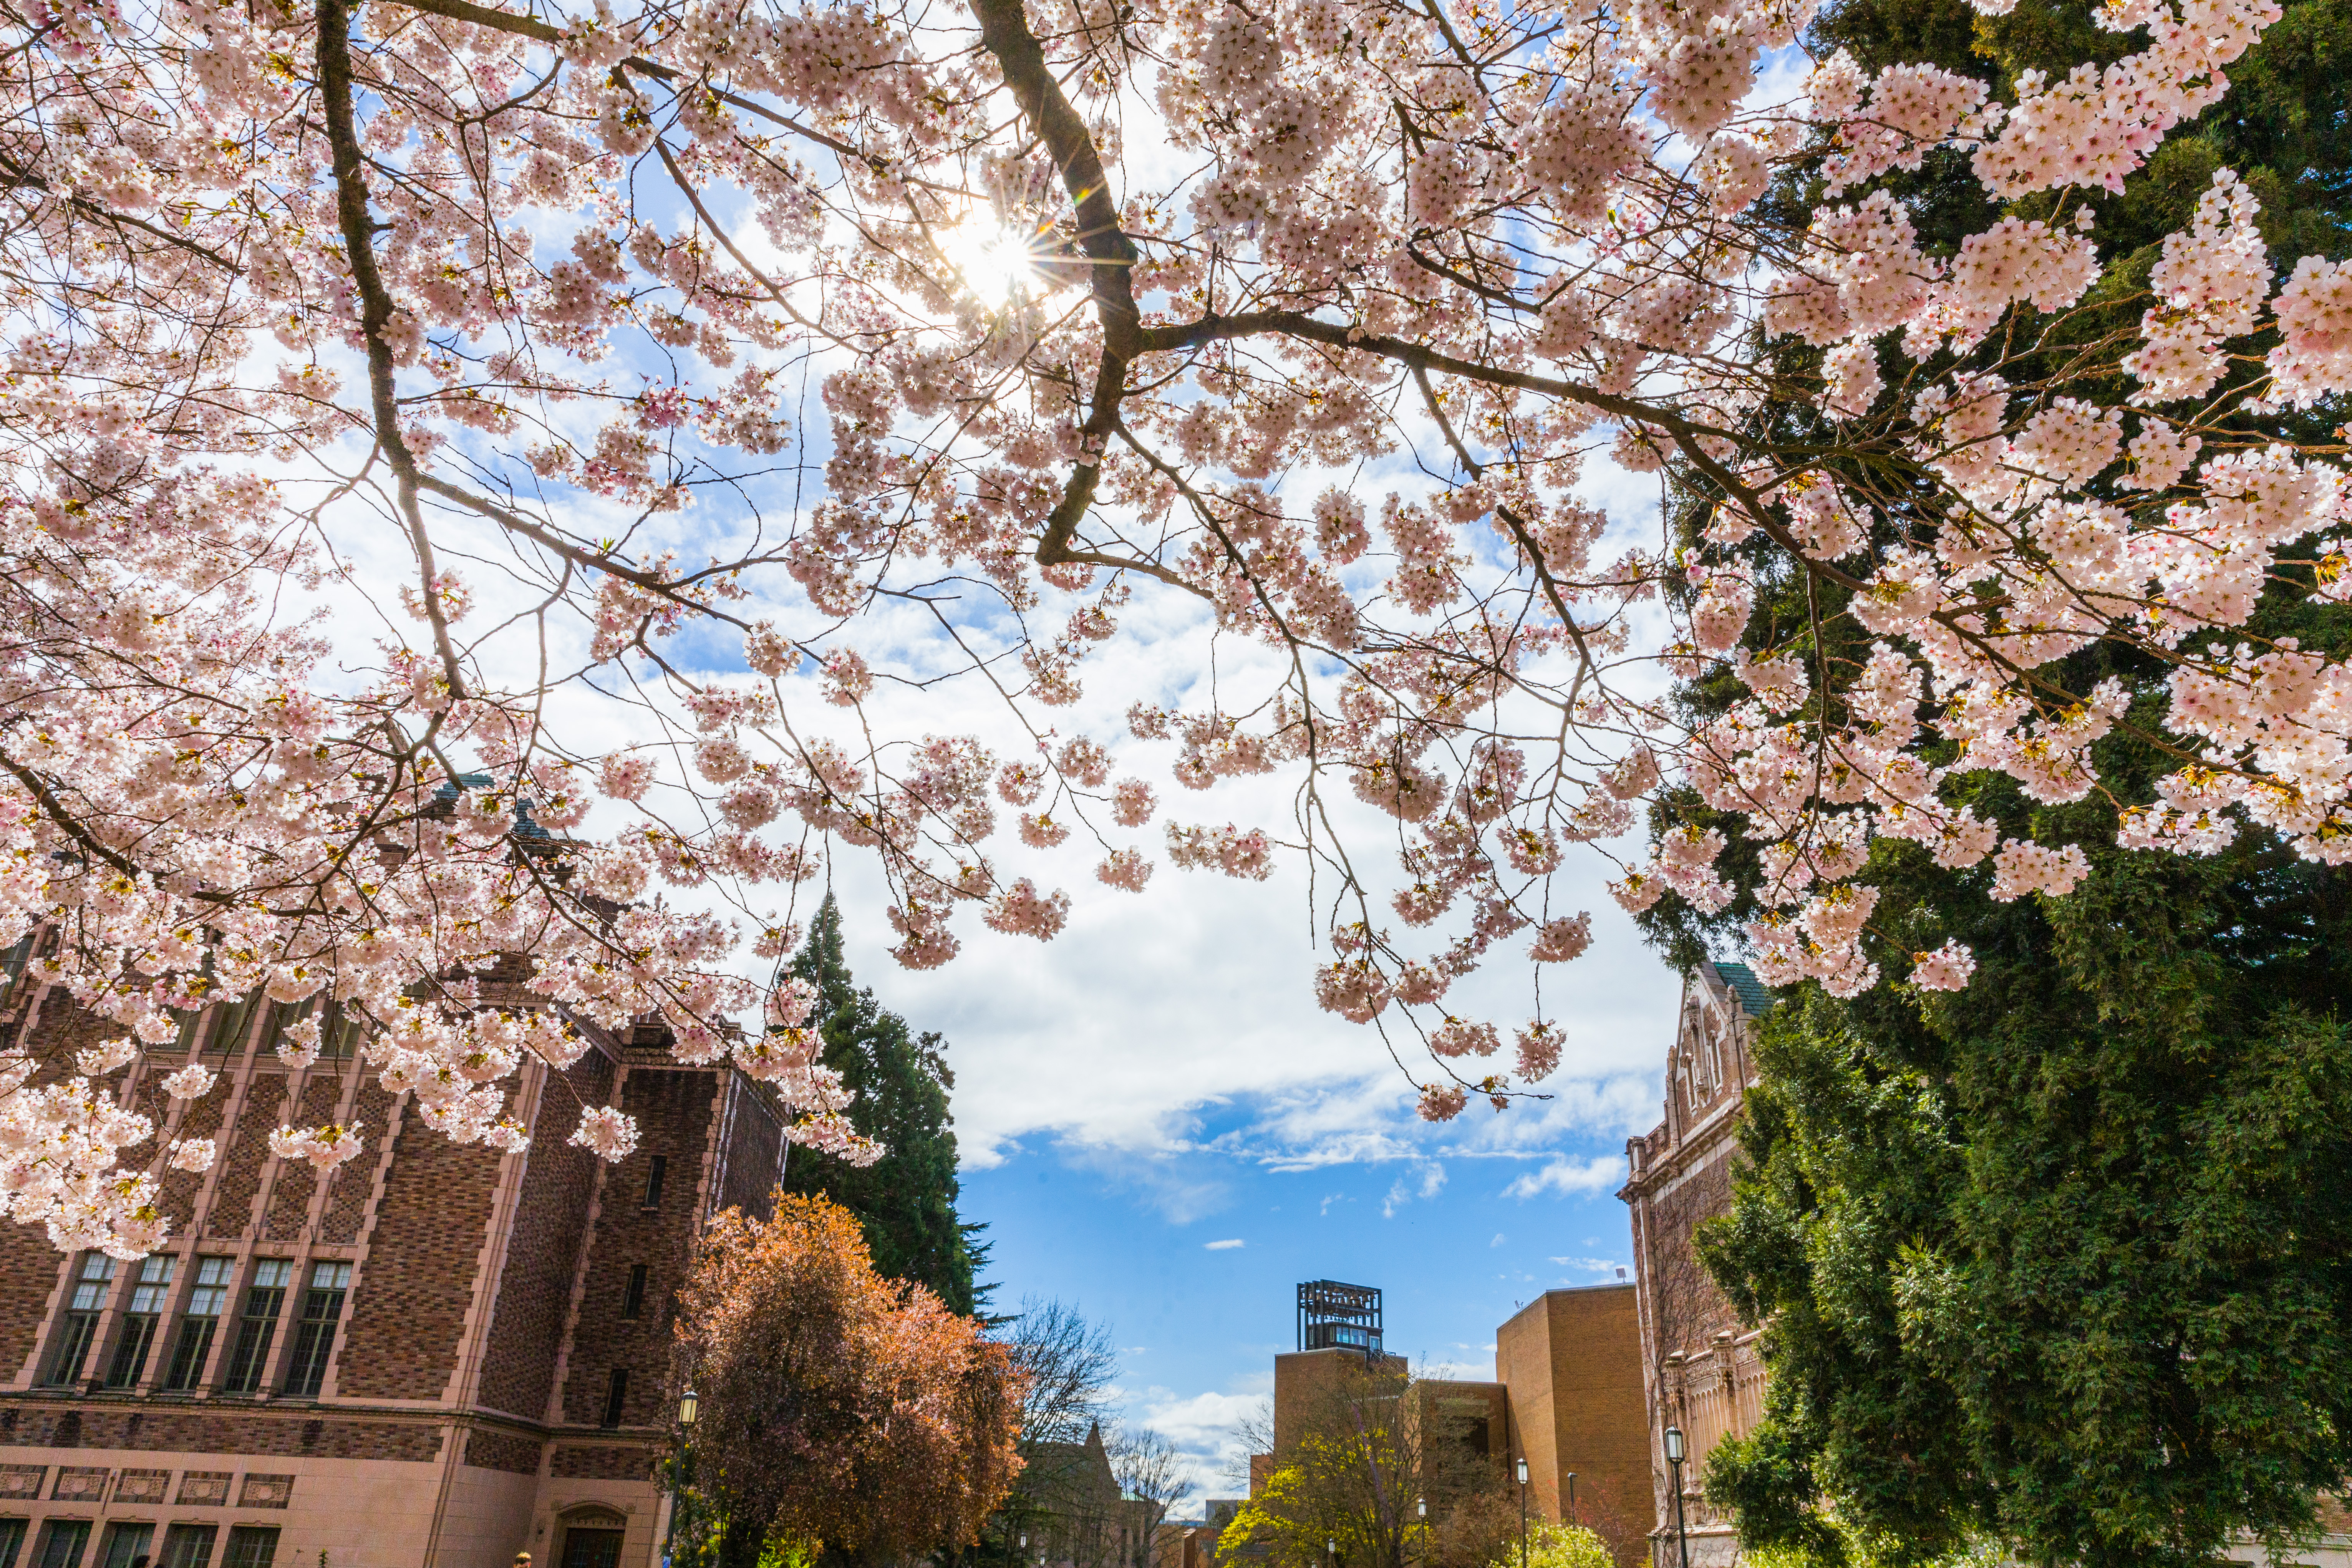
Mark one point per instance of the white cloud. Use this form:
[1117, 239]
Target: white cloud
[1567, 1177]
[1224, 1246]
[1498, 1241]
[1424, 1181]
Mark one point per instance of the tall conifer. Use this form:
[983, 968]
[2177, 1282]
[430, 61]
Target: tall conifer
[906, 1201]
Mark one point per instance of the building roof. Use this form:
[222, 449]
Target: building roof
[1756, 998]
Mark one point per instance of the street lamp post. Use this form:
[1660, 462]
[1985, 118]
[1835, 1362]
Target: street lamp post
[1572, 1517]
[688, 1407]
[1674, 1462]
[1523, 1511]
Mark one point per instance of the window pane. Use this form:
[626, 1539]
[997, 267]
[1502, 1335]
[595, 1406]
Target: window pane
[188, 1357]
[125, 1543]
[62, 1540]
[654, 1175]
[186, 1546]
[251, 1546]
[617, 1396]
[12, 1541]
[131, 1351]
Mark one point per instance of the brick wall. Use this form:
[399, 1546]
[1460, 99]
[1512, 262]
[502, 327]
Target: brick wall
[29, 1270]
[288, 1212]
[603, 1462]
[543, 1257]
[752, 1158]
[673, 1110]
[194, 1431]
[409, 1297]
[513, 1452]
[231, 1214]
[355, 1179]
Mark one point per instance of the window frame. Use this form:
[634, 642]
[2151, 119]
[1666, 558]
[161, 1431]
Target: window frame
[177, 1380]
[314, 1330]
[247, 1368]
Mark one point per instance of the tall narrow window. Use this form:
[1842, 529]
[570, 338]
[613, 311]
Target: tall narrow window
[264, 1298]
[251, 1546]
[322, 1308]
[616, 1397]
[62, 1542]
[660, 1168]
[138, 1324]
[633, 1300]
[12, 1541]
[199, 1322]
[92, 1283]
[189, 1545]
[12, 969]
[127, 1544]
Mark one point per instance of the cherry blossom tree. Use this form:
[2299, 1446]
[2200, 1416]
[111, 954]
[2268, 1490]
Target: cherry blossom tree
[1312, 314]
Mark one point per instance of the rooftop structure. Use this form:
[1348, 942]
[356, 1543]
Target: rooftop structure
[1332, 1316]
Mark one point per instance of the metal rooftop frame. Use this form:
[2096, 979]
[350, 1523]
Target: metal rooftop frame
[1333, 1316]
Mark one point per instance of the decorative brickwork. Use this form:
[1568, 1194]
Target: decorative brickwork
[215, 1431]
[543, 1257]
[142, 1487]
[412, 1292]
[29, 1271]
[80, 1483]
[603, 1462]
[673, 1110]
[266, 1491]
[489, 1449]
[205, 1488]
[177, 1192]
[20, 1483]
[289, 1214]
[353, 1179]
[752, 1158]
[231, 1214]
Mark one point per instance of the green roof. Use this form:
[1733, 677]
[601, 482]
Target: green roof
[1755, 996]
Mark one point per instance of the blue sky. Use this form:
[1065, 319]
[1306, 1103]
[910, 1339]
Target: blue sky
[1160, 1080]
[1198, 1324]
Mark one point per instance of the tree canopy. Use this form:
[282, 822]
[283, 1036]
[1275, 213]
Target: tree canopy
[838, 1410]
[519, 489]
[905, 1200]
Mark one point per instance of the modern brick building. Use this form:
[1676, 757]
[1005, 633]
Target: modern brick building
[433, 1357]
[1703, 1371]
[1567, 1395]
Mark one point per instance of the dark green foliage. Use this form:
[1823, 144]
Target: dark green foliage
[2065, 1258]
[2063, 1261]
[907, 1200]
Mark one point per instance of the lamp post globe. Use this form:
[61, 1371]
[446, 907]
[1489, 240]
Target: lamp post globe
[1675, 1464]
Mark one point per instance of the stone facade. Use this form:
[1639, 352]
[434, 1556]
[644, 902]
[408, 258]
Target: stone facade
[454, 1367]
[1703, 1371]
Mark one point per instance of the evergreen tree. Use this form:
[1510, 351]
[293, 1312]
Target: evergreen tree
[2063, 1260]
[906, 1201]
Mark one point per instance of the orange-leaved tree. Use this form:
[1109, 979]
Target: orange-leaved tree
[836, 1409]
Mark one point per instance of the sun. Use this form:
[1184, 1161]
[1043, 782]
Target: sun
[990, 258]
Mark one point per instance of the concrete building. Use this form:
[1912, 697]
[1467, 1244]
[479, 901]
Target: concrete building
[433, 1355]
[1702, 1369]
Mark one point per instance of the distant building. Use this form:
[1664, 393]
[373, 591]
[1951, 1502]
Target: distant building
[435, 1355]
[1565, 1395]
[1071, 1508]
[1702, 1370]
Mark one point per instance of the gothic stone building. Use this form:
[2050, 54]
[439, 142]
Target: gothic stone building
[1702, 1370]
[433, 1357]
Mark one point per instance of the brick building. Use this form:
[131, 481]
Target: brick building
[433, 1357]
[1703, 1371]
[1567, 1395]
